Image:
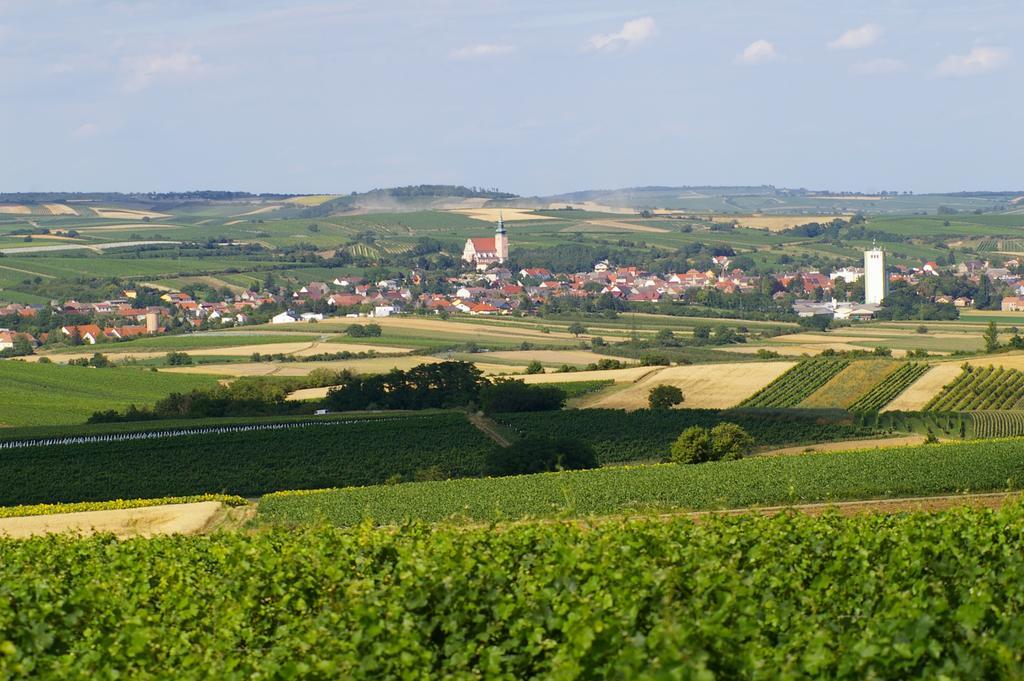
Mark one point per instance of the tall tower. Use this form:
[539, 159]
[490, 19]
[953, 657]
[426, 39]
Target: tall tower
[501, 240]
[876, 278]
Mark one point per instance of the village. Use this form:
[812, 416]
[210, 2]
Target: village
[488, 287]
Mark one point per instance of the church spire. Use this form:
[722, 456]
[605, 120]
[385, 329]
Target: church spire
[501, 223]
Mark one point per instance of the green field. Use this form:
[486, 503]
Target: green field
[759, 481]
[363, 452]
[877, 596]
[48, 394]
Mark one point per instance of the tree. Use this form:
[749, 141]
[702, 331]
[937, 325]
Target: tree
[991, 337]
[535, 367]
[508, 395]
[692, 446]
[176, 359]
[729, 442]
[922, 329]
[664, 397]
[576, 329]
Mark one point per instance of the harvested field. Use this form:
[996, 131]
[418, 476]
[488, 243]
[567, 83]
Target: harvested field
[301, 349]
[314, 200]
[259, 211]
[14, 209]
[127, 213]
[617, 375]
[448, 328]
[554, 356]
[925, 388]
[509, 214]
[847, 445]
[134, 226]
[1008, 361]
[776, 223]
[130, 522]
[59, 209]
[593, 207]
[714, 386]
[376, 365]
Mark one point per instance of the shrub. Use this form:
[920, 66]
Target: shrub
[664, 397]
[729, 441]
[726, 441]
[535, 367]
[540, 455]
[692, 446]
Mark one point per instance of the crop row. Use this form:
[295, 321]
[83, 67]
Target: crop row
[984, 388]
[790, 596]
[797, 384]
[890, 387]
[246, 464]
[620, 436]
[990, 424]
[894, 472]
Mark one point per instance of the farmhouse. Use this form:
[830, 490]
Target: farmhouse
[484, 252]
[284, 318]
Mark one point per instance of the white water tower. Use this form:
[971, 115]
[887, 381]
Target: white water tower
[876, 277]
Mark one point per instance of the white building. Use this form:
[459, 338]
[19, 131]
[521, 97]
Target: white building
[847, 274]
[876, 276]
[486, 252]
[284, 318]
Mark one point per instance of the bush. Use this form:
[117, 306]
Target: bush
[692, 446]
[729, 442]
[664, 397]
[535, 367]
[540, 455]
[363, 330]
[726, 441]
[175, 359]
[510, 395]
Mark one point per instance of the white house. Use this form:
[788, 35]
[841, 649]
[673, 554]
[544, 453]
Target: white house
[311, 317]
[384, 310]
[284, 318]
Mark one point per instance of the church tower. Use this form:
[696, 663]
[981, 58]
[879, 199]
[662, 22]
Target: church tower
[501, 240]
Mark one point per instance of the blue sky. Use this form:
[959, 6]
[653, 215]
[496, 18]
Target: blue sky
[532, 97]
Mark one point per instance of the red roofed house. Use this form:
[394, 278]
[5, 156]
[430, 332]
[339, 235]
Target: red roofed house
[484, 252]
[89, 333]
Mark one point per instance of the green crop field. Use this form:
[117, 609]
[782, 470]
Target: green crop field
[758, 481]
[626, 436]
[43, 394]
[361, 452]
[875, 596]
[981, 388]
[797, 384]
[191, 342]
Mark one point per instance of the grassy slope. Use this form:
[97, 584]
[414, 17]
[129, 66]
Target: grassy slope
[896, 472]
[40, 394]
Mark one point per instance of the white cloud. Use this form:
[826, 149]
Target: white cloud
[481, 51]
[85, 130]
[978, 60]
[141, 72]
[757, 52]
[878, 67]
[633, 32]
[857, 38]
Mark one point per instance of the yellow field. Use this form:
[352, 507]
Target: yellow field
[490, 331]
[376, 365]
[314, 200]
[776, 223]
[848, 385]
[1008, 361]
[59, 209]
[14, 209]
[260, 211]
[595, 207]
[925, 388]
[553, 356]
[491, 214]
[127, 213]
[618, 375]
[623, 226]
[707, 386]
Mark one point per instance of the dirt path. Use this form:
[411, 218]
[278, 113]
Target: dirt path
[488, 428]
[847, 445]
[131, 522]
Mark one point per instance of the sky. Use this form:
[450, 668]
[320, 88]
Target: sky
[533, 97]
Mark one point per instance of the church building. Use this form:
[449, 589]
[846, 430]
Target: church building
[485, 252]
